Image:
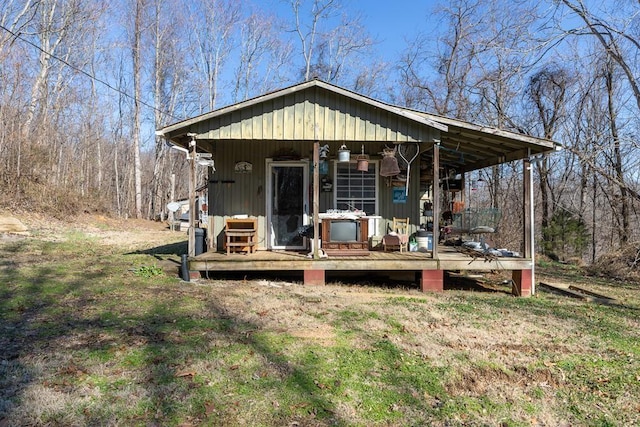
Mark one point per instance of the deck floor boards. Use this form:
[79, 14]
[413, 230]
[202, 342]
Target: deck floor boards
[448, 259]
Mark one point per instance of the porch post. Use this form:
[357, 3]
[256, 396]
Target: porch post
[316, 198]
[527, 207]
[523, 280]
[436, 198]
[314, 277]
[192, 196]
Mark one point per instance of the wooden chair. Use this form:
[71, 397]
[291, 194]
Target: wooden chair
[398, 237]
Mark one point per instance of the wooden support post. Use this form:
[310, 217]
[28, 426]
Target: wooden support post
[522, 283]
[316, 198]
[314, 277]
[527, 216]
[432, 280]
[436, 199]
[192, 197]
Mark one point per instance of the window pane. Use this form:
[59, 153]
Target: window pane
[355, 189]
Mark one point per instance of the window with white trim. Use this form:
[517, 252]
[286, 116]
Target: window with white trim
[354, 189]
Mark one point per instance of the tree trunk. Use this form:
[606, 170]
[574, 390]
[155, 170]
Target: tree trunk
[136, 51]
[623, 230]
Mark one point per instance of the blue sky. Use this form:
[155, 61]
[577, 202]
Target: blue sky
[390, 22]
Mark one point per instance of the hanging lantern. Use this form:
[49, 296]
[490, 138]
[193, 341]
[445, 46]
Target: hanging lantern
[389, 165]
[362, 161]
[344, 155]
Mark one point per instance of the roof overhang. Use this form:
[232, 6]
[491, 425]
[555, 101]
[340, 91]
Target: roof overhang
[469, 146]
[463, 145]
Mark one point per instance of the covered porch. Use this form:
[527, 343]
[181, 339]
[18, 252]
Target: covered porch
[279, 167]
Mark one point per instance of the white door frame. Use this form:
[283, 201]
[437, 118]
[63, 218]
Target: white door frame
[270, 164]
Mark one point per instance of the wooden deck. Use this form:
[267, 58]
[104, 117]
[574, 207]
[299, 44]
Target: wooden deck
[448, 259]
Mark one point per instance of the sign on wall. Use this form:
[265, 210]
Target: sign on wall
[399, 195]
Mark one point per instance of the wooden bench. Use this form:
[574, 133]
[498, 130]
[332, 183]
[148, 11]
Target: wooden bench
[240, 235]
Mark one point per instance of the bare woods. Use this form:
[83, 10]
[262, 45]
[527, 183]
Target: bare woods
[84, 84]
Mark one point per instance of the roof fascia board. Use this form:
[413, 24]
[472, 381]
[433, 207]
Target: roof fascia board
[487, 130]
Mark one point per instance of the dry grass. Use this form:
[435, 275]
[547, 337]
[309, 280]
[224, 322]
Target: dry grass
[88, 342]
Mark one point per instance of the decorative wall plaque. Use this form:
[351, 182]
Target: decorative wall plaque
[243, 167]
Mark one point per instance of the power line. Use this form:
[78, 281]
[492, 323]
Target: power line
[91, 76]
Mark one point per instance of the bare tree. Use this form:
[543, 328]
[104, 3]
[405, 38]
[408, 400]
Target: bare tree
[15, 15]
[167, 81]
[55, 19]
[617, 34]
[258, 44]
[341, 49]
[308, 32]
[14, 18]
[547, 91]
[213, 34]
[447, 91]
[616, 159]
[620, 43]
[136, 53]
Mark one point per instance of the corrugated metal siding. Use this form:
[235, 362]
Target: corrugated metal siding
[410, 209]
[240, 196]
[295, 117]
[232, 193]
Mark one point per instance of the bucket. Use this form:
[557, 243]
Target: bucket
[363, 163]
[344, 154]
[311, 246]
[425, 243]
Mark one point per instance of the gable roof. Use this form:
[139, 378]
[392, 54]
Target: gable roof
[316, 110]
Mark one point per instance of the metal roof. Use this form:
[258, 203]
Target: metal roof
[306, 111]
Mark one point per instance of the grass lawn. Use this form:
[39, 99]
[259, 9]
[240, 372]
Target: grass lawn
[96, 329]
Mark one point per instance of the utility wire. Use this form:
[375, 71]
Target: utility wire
[91, 76]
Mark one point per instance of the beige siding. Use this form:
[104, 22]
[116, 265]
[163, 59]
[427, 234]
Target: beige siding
[278, 118]
[232, 193]
[295, 116]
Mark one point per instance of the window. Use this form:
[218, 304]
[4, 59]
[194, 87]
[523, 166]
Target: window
[354, 189]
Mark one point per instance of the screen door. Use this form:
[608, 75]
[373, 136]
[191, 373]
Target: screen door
[287, 204]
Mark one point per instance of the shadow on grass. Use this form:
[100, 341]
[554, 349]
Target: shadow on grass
[97, 326]
[127, 350]
[466, 283]
[168, 256]
[177, 248]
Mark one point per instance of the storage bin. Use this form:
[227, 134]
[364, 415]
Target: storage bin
[425, 241]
